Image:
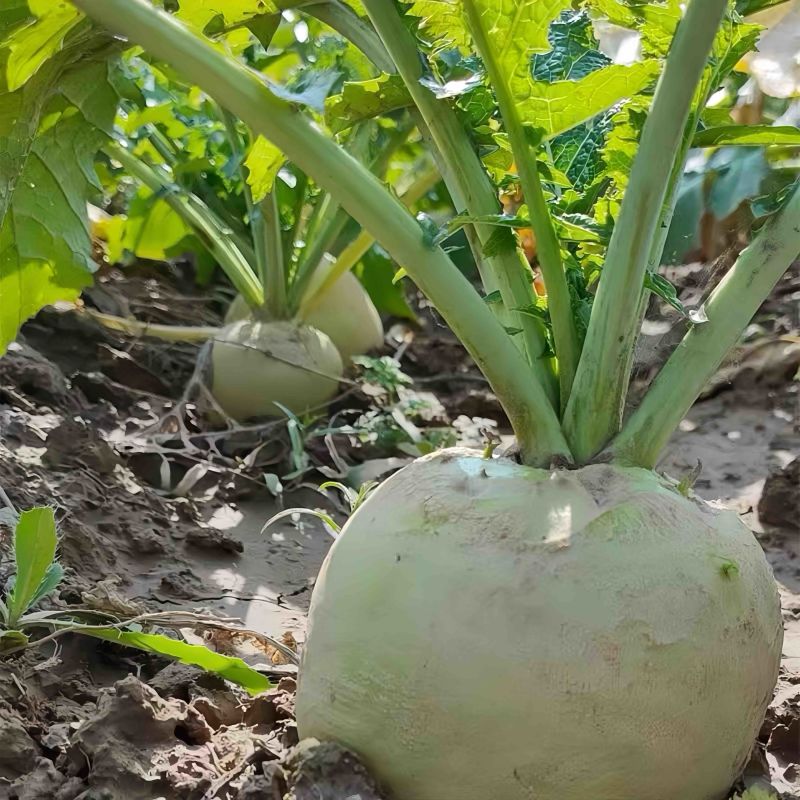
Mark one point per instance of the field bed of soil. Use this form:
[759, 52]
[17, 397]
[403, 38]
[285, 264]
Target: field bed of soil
[157, 512]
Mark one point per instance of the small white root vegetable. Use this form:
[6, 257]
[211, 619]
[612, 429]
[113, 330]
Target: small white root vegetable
[345, 312]
[483, 630]
[258, 364]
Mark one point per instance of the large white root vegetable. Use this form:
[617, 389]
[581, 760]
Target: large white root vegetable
[345, 312]
[483, 630]
[256, 365]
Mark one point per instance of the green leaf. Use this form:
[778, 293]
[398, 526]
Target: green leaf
[442, 23]
[501, 240]
[51, 127]
[263, 162]
[656, 22]
[361, 100]
[232, 669]
[556, 107]
[767, 205]
[747, 135]
[578, 152]
[200, 13]
[579, 228]
[264, 27]
[737, 181]
[575, 54]
[376, 272]
[12, 639]
[660, 286]
[51, 581]
[684, 229]
[575, 51]
[747, 7]
[35, 543]
[152, 228]
[30, 47]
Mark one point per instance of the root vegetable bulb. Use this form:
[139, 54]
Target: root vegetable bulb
[345, 312]
[482, 630]
[258, 364]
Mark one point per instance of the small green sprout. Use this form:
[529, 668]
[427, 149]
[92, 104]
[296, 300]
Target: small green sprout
[37, 574]
[688, 481]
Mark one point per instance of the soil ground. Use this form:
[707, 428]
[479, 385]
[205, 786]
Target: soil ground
[158, 512]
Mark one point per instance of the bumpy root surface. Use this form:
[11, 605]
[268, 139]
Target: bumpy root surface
[482, 629]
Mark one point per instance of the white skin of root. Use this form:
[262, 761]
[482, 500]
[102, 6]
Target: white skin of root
[258, 364]
[345, 313]
[483, 630]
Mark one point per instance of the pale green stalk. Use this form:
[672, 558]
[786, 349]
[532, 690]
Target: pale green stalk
[267, 215]
[162, 145]
[167, 333]
[199, 218]
[331, 220]
[265, 227]
[290, 234]
[548, 249]
[470, 188]
[594, 412]
[730, 308]
[366, 200]
[358, 248]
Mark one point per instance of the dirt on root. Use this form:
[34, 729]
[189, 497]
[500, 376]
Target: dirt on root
[157, 511]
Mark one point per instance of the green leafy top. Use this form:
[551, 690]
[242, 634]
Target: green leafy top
[57, 101]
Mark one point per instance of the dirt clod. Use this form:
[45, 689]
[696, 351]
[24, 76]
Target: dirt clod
[780, 501]
[327, 771]
[18, 751]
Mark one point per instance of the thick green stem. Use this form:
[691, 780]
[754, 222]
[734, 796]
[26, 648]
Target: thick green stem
[200, 219]
[730, 308]
[469, 186]
[548, 248]
[265, 228]
[365, 199]
[594, 413]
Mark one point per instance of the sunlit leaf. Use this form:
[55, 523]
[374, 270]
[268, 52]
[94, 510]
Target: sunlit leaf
[35, 543]
[153, 229]
[199, 13]
[442, 22]
[556, 107]
[747, 135]
[50, 130]
[29, 46]
[263, 162]
[574, 50]
[360, 100]
[232, 669]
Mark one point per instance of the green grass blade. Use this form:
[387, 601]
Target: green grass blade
[232, 669]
